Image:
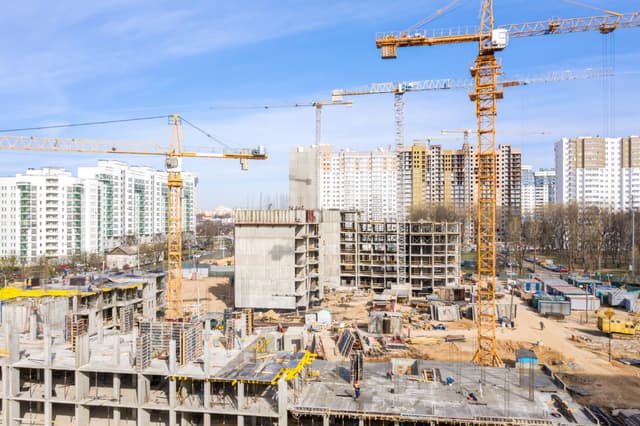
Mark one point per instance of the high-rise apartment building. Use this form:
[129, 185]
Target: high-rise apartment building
[133, 202]
[538, 190]
[48, 212]
[598, 171]
[44, 213]
[431, 176]
[320, 178]
[545, 184]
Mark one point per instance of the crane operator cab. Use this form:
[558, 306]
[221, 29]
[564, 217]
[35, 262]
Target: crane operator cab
[499, 38]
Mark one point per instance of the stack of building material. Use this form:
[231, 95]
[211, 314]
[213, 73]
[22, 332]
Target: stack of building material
[507, 310]
[385, 322]
[444, 312]
[143, 351]
[126, 319]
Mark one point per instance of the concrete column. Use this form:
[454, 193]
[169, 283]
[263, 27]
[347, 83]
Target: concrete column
[283, 401]
[82, 415]
[143, 417]
[172, 357]
[48, 385]
[5, 394]
[47, 345]
[33, 327]
[240, 390]
[207, 419]
[116, 387]
[100, 326]
[116, 350]
[116, 416]
[360, 422]
[207, 352]
[172, 402]
[206, 395]
[326, 420]
[82, 350]
[82, 385]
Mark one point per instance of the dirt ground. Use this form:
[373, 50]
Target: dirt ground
[214, 293]
[573, 348]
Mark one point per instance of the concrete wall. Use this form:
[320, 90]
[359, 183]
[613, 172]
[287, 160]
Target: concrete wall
[329, 229]
[303, 177]
[264, 267]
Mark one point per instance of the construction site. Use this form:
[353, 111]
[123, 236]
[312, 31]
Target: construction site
[329, 315]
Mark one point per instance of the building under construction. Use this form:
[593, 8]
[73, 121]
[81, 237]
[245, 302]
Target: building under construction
[420, 256]
[96, 354]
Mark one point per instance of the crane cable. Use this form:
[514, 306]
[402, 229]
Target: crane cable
[90, 123]
[122, 120]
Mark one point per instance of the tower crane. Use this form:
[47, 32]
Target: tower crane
[317, 105]
[486, 92]
[467, 148]
[399, 88]
[174, 155]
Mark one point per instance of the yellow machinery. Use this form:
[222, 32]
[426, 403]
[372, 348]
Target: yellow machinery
[486, 93]
[174, 156]
[607, 323]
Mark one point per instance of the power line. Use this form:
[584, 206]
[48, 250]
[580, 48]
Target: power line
[91, 123]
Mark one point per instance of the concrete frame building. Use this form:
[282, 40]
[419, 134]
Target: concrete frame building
[599, 171]
[284, 259]
[382, 255]
[320, 178]
[128, 373]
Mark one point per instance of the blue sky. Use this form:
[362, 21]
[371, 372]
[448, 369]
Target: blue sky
[72, 61]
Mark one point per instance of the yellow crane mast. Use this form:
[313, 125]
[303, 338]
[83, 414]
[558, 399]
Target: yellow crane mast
[174, 156]
[487, 91]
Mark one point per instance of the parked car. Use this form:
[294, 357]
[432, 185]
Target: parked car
[561, 268]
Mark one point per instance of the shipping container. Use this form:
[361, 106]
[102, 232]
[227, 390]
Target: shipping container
[554, 307]
[584, 303]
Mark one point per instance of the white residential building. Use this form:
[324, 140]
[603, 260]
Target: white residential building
[538, 190]
[134, 205]
[43, 214]
[598, 171]
[48, 212]
[528, 192]
[320, 178]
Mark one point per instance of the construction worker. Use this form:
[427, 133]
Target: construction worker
[356, 390]
[541, 325]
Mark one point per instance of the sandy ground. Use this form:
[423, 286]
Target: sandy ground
[581, 361]
[214, 293]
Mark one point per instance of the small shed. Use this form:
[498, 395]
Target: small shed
[122, 256]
